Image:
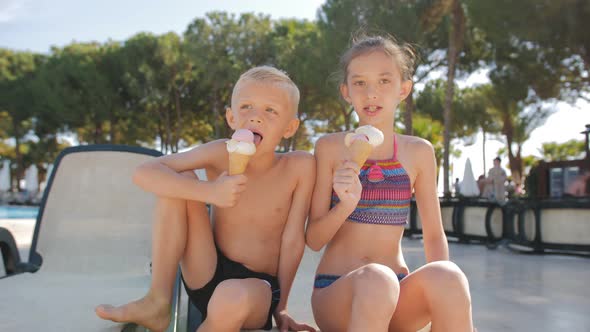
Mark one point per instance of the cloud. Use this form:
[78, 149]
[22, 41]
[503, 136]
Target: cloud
[11, 10]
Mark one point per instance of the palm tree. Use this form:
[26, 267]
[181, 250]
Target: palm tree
[432, 17]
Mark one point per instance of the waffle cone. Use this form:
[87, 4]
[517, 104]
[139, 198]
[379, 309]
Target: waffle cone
[238, 163]
[360, 151]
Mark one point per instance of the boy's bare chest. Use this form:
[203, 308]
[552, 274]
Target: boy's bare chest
[266, 200]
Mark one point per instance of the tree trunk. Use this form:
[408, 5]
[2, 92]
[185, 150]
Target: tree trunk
[19, 156]
[515, 161]
[285, 145]
[447, 112]
[167, 126]
[346, 114]
[218, 121]
[410, 107]
[97, 132]
[178, 119]
[586, 56]
[161, 136]
[484, 152]
[516, 169]
[293, 145]
[112, 132]
[455, 44]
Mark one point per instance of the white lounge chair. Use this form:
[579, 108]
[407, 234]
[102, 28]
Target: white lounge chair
[91, 244]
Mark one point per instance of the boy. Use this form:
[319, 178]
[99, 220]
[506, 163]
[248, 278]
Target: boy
[238, 272]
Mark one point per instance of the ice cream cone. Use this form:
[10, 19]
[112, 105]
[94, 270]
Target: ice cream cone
[360, 151]
[361, 143]
[240, 148]
[238, 163]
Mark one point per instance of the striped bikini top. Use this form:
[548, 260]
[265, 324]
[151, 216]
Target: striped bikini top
[386, 194]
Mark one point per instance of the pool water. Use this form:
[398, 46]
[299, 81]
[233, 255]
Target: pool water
[18, 212]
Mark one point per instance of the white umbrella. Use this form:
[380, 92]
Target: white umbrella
[5, 176]
[468, 186]
[440, 186]
[31, 180]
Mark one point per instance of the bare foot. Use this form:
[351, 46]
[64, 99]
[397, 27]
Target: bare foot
[149, 311]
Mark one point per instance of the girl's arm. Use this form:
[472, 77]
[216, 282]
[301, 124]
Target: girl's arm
[435, 240]
[323, 221]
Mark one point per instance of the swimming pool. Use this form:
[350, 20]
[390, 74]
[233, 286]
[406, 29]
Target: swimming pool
[18, 212]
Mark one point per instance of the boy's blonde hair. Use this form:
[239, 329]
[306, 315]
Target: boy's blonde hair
[270, 75]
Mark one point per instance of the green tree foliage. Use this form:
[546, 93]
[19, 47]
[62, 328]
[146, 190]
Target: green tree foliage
[430, 130]
[223, 46]
[295, 48]
[517, 111]
[17, 72]
[570, 150]
[554, 32]
[73, 90]
[170, 91]
[468, 106]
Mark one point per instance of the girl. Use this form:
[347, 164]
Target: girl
[362, 282]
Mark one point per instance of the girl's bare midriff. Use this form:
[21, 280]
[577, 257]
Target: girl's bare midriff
[357, 244]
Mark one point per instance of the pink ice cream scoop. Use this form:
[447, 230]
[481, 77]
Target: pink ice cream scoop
[243, 135]
[242, 141]
[359, 137]
[240, 147]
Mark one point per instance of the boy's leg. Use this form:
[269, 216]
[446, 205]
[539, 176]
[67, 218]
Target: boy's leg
[362, 300]
[437, 292]
[177, 224]
[236, 304]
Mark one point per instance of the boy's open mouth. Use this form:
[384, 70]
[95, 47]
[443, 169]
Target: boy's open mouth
[257, 138]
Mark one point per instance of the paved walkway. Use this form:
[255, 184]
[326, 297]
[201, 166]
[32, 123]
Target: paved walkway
[510, 292]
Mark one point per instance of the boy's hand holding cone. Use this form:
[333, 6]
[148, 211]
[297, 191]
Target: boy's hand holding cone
[240, 148]
[361, 143]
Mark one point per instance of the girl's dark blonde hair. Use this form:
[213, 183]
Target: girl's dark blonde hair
[403, 54]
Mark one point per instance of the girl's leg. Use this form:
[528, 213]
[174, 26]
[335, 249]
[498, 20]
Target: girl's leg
[438, 292]
[362, 300]
[181, 231]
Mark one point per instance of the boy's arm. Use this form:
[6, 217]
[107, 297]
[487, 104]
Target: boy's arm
[293, 238]
[163, 177]
[435, 240]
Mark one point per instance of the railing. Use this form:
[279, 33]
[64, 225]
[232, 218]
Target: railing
[538, 226]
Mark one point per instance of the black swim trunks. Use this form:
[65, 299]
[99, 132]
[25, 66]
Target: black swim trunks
[228, 269]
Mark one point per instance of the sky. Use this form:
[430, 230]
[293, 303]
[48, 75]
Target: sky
[36, 25]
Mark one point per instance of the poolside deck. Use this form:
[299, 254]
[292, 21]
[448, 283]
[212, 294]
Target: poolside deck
[510, 292]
